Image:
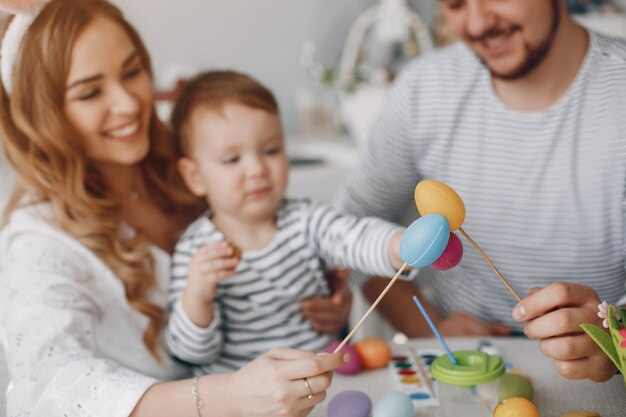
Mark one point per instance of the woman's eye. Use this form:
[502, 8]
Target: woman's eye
[89, 94]
[133, 73]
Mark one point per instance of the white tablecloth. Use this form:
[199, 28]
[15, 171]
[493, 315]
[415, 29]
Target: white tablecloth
[554, 395]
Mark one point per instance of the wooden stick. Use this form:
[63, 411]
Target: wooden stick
[486, 258]
[420, 367]
[369, 311]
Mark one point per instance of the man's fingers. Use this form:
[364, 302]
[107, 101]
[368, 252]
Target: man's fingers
[555, 295]
[568, 347]
[559, 322]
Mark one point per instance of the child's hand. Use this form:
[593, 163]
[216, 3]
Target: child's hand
[210, 265]
[394, 251]
[553, 315]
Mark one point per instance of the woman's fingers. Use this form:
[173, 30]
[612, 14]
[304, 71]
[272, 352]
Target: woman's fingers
[297, 364]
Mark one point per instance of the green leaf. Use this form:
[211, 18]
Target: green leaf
[622, 314]
[619, 350]
[610, 316]
[605, 342]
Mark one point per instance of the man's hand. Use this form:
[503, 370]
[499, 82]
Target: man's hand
[330, 314]
[553, 315]
[463, 324]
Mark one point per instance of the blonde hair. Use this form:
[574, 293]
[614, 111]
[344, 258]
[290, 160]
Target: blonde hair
[50, 164]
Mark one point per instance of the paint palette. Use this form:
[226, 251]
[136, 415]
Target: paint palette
[410, 371]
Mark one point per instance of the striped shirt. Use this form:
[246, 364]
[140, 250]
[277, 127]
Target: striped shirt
[258, 308]
[544, 191]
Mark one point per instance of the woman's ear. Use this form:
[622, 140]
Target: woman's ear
[189, 170]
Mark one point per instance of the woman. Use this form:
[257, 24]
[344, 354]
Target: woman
[88, 231]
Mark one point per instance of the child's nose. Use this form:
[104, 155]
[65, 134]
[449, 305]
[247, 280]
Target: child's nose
[256, 166]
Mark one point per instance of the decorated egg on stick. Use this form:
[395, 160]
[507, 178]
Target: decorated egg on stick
[434, 197]
[424, 240]
[451, 255]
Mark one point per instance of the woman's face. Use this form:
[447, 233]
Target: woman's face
[108, 95]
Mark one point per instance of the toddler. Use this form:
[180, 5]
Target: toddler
[240, 271]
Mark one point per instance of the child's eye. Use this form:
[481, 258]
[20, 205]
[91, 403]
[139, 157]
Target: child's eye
[230, 160]
[133, 73]
[89, 94]
[274, 150]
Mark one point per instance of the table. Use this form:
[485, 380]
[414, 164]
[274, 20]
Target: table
[554, 395]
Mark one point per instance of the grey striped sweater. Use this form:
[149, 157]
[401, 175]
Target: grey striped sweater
[259, 308]
[544, 191]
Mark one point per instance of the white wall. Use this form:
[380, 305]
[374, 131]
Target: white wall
[260, 37]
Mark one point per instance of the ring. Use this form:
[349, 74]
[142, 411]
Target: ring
[308, 387]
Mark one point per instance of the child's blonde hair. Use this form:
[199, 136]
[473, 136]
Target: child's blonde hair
[51, 165]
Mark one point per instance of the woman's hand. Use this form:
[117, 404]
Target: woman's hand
[330, 314]
[274, 383]
[553, 315]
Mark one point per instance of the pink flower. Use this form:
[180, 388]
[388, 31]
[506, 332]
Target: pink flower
[623, 334]
[602, 312]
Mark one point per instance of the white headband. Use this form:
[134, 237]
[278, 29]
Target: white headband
[13, 39]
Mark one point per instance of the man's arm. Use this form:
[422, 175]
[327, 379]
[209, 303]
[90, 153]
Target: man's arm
[399, 309]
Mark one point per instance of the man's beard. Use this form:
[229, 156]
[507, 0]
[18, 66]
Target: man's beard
[534, 56]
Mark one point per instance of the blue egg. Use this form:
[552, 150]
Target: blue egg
[424, 240]
[393, 404]
[349, 404]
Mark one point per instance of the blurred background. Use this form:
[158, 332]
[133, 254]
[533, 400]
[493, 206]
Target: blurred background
[329, 63]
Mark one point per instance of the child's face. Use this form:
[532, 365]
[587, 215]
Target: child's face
[238, 161]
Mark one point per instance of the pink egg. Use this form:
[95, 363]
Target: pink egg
[354, 365]
[451, 255]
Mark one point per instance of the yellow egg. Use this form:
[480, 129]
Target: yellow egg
[516, 407]
[434, 197]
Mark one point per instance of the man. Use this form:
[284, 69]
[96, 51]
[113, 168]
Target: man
[525, 120]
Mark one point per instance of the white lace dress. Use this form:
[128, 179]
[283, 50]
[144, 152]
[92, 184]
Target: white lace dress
[73, 344]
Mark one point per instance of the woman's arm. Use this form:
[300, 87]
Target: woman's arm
[271, 385]
[58, 351]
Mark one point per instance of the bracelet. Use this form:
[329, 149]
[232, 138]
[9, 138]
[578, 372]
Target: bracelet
[197, 401]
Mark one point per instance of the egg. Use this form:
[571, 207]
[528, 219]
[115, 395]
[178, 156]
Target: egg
[433, 196]
[393, 404]
[580, 414]
[354, 365]
[513, 385]
[424, 240]
[349, 404]
[516, 407]
[451, 255]
[373, 351]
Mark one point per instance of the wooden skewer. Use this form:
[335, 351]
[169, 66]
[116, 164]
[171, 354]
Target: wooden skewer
[486, 258]
[420, 367]
[369, 311]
